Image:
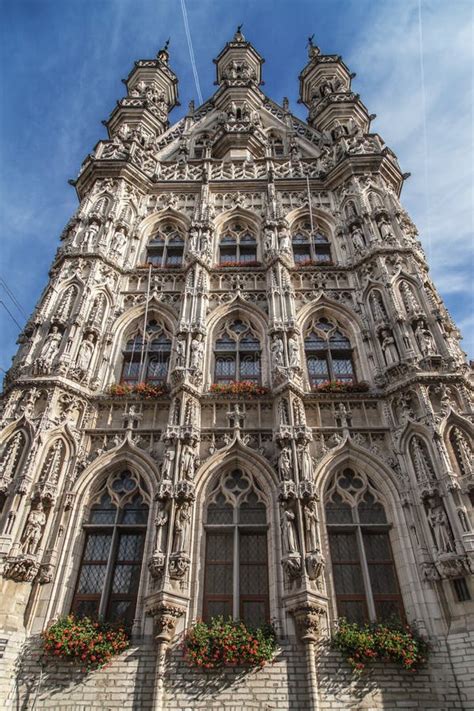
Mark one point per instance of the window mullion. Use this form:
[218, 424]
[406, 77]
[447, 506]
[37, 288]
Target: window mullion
[104, 600]
[366, 575]
[236, 588]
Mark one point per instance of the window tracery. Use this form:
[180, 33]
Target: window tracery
[10, 459]
[328, 353]
[310, 246]
[462, 451]
[146, 359]
[238, 245]
[237, 353]
[364, 575]
[236, 569]
[109, 573]
[166, 246]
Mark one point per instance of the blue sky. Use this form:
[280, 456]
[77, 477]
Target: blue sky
[61, 65]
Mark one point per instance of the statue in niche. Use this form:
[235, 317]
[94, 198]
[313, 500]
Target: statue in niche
[464, 519]
[421, 464]
[51, 346]
[160, 522]
[385, 229]
[283, 412]
[290, 540]
[167, 465]
[90, 236]
[85, 353]
[33, 530]
[306, 464]
[119, 241]
[180, 351]
[441, 531]
[277, 352]
[284, 464]
[293, 352]
[285, 241]
[197, 351]
[181, 526]
[389, 348]
[358, 239]
[188, 456]
[193, 240]
[268, 240]
[311, 526]
[425, 340]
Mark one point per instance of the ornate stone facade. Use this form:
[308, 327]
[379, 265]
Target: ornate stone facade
[240, 294]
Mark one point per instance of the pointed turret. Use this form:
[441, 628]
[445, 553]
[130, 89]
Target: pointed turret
[325, 88]
[239, 63]
[152, 92]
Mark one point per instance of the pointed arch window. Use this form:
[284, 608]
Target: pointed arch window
[238, 246]
[166, 247]
[236, 564]
[364, 576]
[111, 562]
[310, 246]
[237, 354]
[147, 359]
[328, 354]
[277, 146]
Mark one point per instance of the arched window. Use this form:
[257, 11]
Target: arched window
[237, 353]
[236, 568]
[109, 573]
[310, 246]
[238, 245]
[328, 353]
[166, 246]
[364, 575]
[276, 145]
[147, 360]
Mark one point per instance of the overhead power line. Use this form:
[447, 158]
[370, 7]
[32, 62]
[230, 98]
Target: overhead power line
[10, 313]
[191, 51]
[13, 297]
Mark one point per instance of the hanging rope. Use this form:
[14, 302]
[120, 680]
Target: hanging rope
[191, 51]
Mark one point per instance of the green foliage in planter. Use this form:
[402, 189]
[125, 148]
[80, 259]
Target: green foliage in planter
[227, 643]
[86, 642]
[394, 642]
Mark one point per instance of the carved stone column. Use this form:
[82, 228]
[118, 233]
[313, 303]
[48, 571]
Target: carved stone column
[165, 617]
[308, 616]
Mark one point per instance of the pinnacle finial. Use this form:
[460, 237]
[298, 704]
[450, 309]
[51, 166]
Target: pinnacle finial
[313, 50]
[163, 54]
[238, 37]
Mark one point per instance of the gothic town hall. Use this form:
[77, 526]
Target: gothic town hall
[240, 394]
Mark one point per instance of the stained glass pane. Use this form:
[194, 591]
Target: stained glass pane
[382, 579]
[91, 579]
[104, 511]
[342, 367]
[337, 511]
[120, 610]
[377, 546]
[87, 608]
[126, 579]
[371, 513]
[253, 547]
[97, 546]
[353, 610]
[130, 547]
[225, 367]
[318, 369]
[252, 511]
[219, 579]
[343, 546]
[253, 613]
[220, 547]
[220, 511]
[253, 579]
[217, 608]
[388, 610]
[348, 579]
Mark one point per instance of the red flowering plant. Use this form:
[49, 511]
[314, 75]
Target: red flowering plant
[341, 386]
[244, 387]
[228, 643]
[384, 641]
[145, 390]
[84, 641]
[236, 263]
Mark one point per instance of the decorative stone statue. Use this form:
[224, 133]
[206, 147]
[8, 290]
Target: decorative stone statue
[85, 353]
[180, 351]
[33, 530]
[119, 241]
[290, 540]
[181, 526]
[167, 464]
[90, 236]
[293, 352]
[385, 229]
[277, 352]
[441, 531]
[311, 526]
[358, 239]
[425, 340]
[285, 241]
[197, 350]
[306, 465]
[284, 464]
[389, 348]
[188, 456]
[51, 346]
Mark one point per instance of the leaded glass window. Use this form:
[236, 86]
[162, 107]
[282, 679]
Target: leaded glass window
[310, 244]
[109, 574]
[166, 246]
[238, 245]
[237, 353]
[328, 353]
[236, 568]
[364, 575]
[147, 359]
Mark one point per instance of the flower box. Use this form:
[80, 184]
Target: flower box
[227, 643]
[340, 386]
[144, 390]
[83, 641]
[244, 388]
[387, 642]
[252, 263]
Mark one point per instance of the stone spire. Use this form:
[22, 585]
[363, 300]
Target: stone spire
[325, 88]
[152, 92]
